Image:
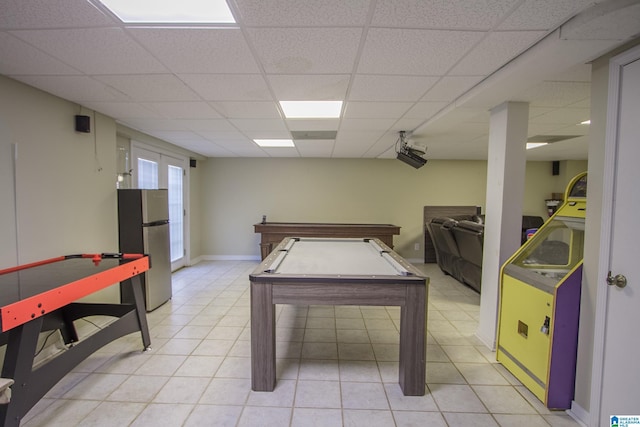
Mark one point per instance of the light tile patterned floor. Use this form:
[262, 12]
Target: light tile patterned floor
[336, 366]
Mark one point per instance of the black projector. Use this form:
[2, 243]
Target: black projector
[412, 158]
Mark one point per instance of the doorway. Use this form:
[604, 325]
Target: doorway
[153, 169]
[615, 371]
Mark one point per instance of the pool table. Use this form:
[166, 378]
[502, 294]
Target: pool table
[338, 271]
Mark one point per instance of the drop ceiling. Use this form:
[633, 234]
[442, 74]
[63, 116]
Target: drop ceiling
[433, 68]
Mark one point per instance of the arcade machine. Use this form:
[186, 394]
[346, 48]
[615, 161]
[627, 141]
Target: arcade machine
[540, 303]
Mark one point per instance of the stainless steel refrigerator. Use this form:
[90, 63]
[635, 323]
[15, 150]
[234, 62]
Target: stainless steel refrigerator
[143, 218]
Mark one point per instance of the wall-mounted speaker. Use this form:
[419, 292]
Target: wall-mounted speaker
[83, 124]
[555, 168]
[192, 163]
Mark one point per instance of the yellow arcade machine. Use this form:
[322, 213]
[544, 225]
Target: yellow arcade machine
[540, 303]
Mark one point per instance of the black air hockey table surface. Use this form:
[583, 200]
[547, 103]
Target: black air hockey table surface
[43, 297]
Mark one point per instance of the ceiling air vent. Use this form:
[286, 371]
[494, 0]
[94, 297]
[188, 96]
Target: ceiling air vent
[313, 134]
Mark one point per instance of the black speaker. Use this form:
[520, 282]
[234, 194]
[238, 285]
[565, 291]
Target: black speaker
[192, 163]
[83, 124]
[555, 168]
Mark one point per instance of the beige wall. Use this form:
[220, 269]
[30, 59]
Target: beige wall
[65, 180]
[65, 198]
[235, 193]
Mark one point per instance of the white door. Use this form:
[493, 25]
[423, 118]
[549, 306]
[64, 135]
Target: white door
[152, 170]
[620, 392]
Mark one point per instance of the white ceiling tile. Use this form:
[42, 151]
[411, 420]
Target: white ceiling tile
[183, 110]
[154, 125]
[366, 124]
[424, 110]
[282, 152]
[389, 88]
[199, 50]
[51, 14]
[309, 87]
[583, 103]
[451, 87]
[571, 116]
[543, 14]
[376, 110]
[218, 88]
[123, 110]
[266, 125]
[578, 73]
[247, 110]
[94, 50]
[222, 135]
[177, 135]
[538, 111]
[556, 94]
[382, 146]
[209, 125]
[156, 87]
[496, 50]
[573, 149]
[306, 50]
[207, 148]
[355, 143]
[315, 148]
[74, 88]
[458, 150]
[407, 124]
[541, 129]
[27, 60]
[441, 13]
[414, 52]
[228, 87]
[621, 21]
[286, 13]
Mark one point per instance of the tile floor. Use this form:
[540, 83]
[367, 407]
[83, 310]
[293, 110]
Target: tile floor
[336, 366]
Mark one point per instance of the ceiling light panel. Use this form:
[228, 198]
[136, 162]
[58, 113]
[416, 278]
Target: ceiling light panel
[274, 143]
[311, 109]
[171, 12]
[531, 145]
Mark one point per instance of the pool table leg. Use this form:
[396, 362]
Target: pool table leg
[263, 338]
[413, 344]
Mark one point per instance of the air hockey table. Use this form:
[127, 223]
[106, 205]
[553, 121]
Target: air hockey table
[42, 297]
[338, 271]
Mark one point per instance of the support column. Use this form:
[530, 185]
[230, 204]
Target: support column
[506, 166]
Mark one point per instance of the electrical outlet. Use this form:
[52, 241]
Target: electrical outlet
[416, 247]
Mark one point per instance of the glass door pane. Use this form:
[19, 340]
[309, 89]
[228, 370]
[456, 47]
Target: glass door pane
[147, 174]
[176, 211]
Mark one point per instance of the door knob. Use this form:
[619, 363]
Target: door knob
[618, 280]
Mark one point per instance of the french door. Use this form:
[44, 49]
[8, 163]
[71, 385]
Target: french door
[153, 170]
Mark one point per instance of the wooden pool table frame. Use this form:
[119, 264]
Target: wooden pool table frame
[407, 291]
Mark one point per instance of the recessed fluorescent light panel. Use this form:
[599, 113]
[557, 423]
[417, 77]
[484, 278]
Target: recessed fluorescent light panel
[311, 109]
[171, 11]
[274, 143]
[531, 145]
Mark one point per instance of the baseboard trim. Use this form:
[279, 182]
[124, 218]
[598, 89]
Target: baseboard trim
[230, 257]
[579, 414]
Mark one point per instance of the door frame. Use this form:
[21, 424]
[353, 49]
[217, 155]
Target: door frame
[608, 186]
[137, 145]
